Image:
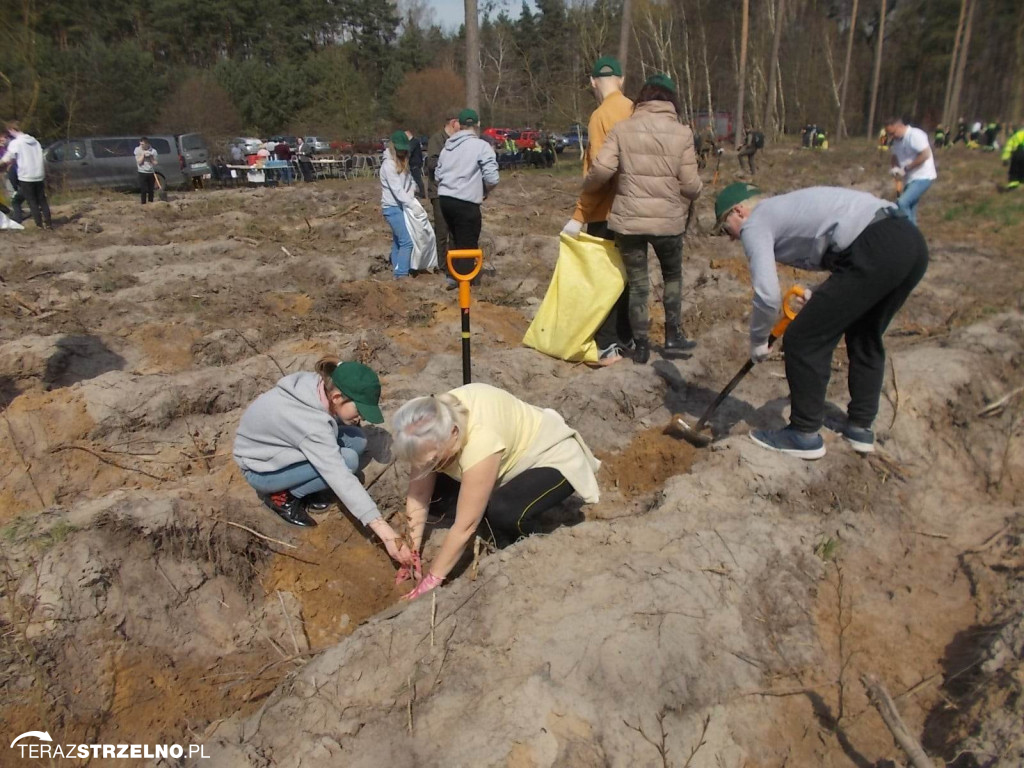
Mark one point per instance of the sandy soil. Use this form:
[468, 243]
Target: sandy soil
[718, 607]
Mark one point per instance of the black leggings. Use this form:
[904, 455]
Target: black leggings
[514, 508]
[464, 225]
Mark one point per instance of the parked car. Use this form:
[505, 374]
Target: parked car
[527, 139]
[575, 136]
[496, 135]
[249, 145]
[193, 155]
[370, 146]
[318, 143]
[109, 161]
[343, 147]
[291, 141]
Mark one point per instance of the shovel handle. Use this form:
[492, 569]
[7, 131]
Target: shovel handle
[788, 313]
[467, 253]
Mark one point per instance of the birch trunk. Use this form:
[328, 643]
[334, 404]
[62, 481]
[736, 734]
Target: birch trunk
[769, 126]
[742, 84]
[947, 118]
[954, 102]
[878, 71]
[624, 32]
[472, 56]
[840, 124]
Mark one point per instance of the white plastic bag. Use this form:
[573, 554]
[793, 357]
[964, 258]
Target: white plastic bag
[7, 223]
[424, 242]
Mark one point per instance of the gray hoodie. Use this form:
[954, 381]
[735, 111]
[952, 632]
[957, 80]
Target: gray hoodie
[466, 164]
[288, 425]
[396, 188]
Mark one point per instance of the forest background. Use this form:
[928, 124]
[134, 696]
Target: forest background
[359, 68]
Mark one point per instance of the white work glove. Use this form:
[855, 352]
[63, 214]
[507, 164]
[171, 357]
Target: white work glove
[799, 302]
[759, 352]
[572, 228]
[898, 172]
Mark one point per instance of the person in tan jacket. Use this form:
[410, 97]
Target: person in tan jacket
[592, 208]
[652, 160]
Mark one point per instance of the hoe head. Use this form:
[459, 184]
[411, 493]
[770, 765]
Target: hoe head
[699, 436]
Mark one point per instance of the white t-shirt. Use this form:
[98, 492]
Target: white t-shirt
[145, 159]
[913, 143]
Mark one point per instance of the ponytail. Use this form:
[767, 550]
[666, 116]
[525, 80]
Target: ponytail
[325, 367]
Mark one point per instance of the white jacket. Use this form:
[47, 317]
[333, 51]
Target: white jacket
[26, 150]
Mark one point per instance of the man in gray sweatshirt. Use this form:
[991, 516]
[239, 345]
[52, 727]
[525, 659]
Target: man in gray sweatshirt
[467, 169]
[876, 257]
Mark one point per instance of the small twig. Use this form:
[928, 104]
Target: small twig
[168, 578]
[896, 390]
[412, 698]
[987, 543]
[32, 310]
[380, 474]
[21, 455]
[259, 535]
[288, 621]
[447, 647]
[476, 559]
[433, 616]
[255, 349]
[700, 742]
[993, 408]
[891, 717]
[105, 460]
[286, 251]
[201, 454]
[931, 535]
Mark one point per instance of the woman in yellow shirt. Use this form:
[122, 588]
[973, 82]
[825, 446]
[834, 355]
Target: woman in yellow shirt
[512, 461]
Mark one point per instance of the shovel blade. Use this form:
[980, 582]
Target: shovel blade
[679, 427]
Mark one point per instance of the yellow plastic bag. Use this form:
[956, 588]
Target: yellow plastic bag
[587, 281]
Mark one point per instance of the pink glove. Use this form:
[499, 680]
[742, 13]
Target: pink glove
[429, 582]
[407, 572]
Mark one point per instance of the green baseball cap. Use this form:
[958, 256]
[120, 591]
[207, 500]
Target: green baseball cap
[362, 386]
[731, 196]
[607, 66]
[469, 117]
[662, 81]
[400, 140]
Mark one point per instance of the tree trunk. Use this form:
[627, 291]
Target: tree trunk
[624, 32]
[878, 71]
[707, 70]
[840, 125]
[947, 118]
[1017, 102]
[742, 78]
[768, 126]
[965, 47]
[472, 56]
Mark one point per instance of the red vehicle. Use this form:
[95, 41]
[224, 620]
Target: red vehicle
[527, 139]
[497, 135]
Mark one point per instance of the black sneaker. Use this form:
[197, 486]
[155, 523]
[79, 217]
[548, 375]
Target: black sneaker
[641, 352]
[804, 445]
[289, 508]
[676, 344]
[319, 501]
[861, 439]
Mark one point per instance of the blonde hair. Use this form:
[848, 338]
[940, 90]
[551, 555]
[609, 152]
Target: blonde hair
[402, 163]
[424, 424]
[325, 367]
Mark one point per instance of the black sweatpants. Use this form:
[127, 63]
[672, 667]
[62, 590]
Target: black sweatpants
[34, 193]
[616, 328]
[441, 234]
[514, 508]
[869, 283]
[147, 183]
[1017, 165]
[464, 224]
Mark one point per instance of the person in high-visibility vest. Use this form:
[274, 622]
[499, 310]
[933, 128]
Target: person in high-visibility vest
[1013, 156]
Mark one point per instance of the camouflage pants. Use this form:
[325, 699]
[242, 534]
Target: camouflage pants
[669, 250]
[747, 152]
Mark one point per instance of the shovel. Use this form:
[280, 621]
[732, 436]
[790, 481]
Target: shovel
[160, 186]
[698, 434]
[478, 256]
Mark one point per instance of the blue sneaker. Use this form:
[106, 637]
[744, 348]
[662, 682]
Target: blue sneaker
[805, 445]
[861, 439]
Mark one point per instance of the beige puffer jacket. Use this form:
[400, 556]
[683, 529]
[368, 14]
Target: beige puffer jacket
[652, 153]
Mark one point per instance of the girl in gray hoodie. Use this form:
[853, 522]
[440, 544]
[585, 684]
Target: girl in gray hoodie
[303, 437]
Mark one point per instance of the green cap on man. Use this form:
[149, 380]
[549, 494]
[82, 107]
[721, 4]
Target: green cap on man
[469, 117]
[607, 66]
[731, 196]
[661, 80]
